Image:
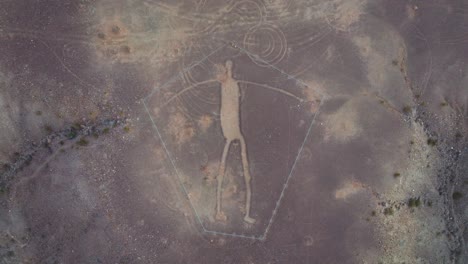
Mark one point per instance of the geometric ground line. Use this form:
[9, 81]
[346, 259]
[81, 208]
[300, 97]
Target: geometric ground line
[185, 70]
[285, 185]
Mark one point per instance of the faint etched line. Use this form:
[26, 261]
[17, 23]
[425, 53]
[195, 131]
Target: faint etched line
[275, 210]
[174, 166]
[232, 235]
[285, 186]
[257, 57]
[185, 70]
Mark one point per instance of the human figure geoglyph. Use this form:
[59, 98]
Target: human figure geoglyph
[230, 127]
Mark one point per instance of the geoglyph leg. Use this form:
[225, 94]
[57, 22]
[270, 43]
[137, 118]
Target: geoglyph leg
[220, 178]
[248, 178]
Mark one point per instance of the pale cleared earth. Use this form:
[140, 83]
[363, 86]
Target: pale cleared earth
[353, 113]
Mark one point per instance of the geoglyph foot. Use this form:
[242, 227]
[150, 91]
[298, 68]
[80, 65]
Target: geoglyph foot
[220, 216]
[249, 220]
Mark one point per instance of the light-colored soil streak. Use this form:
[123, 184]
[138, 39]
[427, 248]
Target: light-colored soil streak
[230, 126]
[382, 65]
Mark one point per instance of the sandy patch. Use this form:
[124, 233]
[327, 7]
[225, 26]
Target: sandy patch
[348, 189]
[411, 11]
[343, 125]
[123, 35]
[313, 95]
[210, 172]
[347, 13]
[379, 55]
[180, 129]
[340, 14]
[376, 62]
[230, 191]
[205, 122]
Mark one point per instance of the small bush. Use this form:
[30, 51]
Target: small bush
[82, 142]
[388, 211]
[457, 195]
[414, 202]
[406, 109]
[6, 166]
[72, 134]
[76, 126]
[431, 142]
[115, 30]
[48, 129]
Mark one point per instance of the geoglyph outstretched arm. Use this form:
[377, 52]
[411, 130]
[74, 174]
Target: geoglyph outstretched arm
[273, 88]
[266, 86]
[187, 89]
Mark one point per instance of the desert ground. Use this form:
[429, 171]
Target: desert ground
[224, 131]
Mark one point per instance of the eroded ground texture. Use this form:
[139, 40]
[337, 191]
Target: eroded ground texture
[349, 116]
